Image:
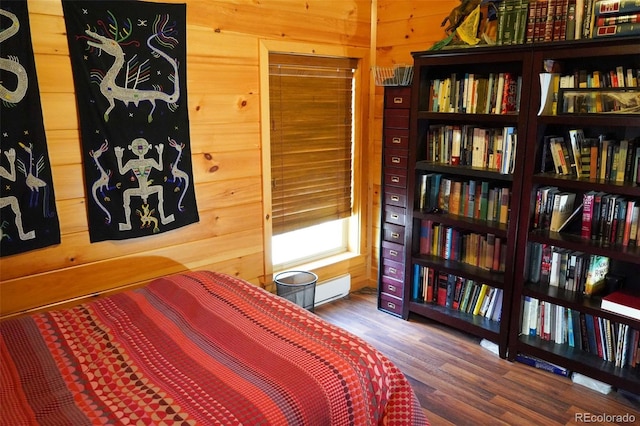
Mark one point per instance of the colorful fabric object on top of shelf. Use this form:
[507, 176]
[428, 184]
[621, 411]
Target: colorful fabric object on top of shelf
[28, 218]
[129, 65]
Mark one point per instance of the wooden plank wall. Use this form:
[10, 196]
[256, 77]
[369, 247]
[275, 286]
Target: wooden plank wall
[224, 110]
[403, 26]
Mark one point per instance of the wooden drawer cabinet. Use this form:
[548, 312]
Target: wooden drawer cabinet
[395, 161]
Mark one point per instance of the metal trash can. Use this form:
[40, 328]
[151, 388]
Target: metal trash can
[297, 286]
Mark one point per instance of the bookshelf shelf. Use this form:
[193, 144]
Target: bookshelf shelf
[590, 365]
[576, 242]
[572, 299]
[463, 171]
[476, 225]
[480, 326]
[493, 278]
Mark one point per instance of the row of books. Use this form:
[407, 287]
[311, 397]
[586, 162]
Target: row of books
[533, 21]
[484, 251]
[467, 198]
[566, 269]
[613, 90]
[553, 209]
[467, 145]
[610, 218]
[613, 342]
[603, 158]
[494, 93]
[457, 293]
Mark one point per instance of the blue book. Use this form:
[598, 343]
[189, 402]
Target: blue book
[415, 290]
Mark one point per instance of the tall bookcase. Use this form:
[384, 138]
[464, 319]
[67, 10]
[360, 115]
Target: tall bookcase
[447, 245]
[578, 59]
[523, 179]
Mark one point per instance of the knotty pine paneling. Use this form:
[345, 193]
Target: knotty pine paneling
[223, 64]
[224, 106]
[403, 26]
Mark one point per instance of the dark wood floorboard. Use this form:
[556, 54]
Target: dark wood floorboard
[458, 382]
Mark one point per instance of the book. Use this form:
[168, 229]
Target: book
[596, 273]
[615, 7]
[616, 19]
[624, 29]
[563, 203]
[623, 302]
[587, 214]
[576, 140]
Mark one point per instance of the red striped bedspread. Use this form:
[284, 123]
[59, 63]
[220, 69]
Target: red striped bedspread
[196, 348]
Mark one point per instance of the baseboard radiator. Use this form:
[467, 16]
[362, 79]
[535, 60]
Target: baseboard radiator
[333, 289]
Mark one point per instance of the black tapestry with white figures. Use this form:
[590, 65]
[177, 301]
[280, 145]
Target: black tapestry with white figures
[28, 218]
[129, 67]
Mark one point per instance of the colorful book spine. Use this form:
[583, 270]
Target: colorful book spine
[615, 7]
[617, 30]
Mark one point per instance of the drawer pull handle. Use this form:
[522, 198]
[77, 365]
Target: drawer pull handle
[395, 198]
[395, 235]
[393, 253]
[392, 288]
[394, 216]
[395, 160]
[393, 270]
[396, 140]
[395, 179]
[391, 305]
[397, 100]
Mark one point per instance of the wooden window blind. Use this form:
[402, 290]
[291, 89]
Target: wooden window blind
[311, 107]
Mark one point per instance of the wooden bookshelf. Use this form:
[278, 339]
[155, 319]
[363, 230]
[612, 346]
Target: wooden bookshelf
[571, 58]
[527, 62]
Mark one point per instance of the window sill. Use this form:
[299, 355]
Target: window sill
[321, 263]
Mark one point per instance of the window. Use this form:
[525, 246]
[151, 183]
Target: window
[311, 103]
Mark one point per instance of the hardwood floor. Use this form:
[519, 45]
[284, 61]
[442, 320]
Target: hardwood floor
[458, 382]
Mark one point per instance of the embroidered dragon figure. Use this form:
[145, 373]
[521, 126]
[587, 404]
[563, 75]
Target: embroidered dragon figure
[110, 88]
[12, 97]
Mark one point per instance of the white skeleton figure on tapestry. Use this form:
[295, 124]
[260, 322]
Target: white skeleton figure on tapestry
[11, 200]
[141, 168]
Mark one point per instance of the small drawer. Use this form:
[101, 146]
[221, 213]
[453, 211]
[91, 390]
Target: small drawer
[396, 158]
[396, 138]
[392, 287]
[395, 197]
[395, 177]
[391, 304]
[392, 251]
[393, 269]
[395, 215]
[396, 119]
[393, 233]
[399, 97]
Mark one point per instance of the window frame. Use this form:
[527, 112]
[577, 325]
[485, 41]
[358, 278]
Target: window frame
[357, 234]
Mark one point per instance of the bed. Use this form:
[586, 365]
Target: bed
[195, 348]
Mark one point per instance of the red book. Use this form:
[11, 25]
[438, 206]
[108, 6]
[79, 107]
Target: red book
[587, 214]
[627, 223]
[623, 302]
[441, 294]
